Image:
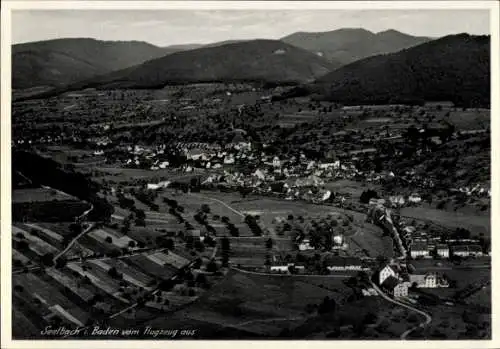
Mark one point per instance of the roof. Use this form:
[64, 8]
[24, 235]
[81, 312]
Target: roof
[474, 248]
[467, 248]
[341, 261]
[390, 282]
[419, 279]
[394, 268]
[419, 246]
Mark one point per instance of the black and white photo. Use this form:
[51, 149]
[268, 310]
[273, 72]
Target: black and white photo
[250, 173]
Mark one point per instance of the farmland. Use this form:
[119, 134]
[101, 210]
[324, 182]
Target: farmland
[39, 195]
[242, 300]
[219, 209]
[475, 223]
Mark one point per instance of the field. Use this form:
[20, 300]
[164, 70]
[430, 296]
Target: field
[49, 296]
[130, 175]
[37, 245]
[476, 224]
[151, 268]
[117, 240]
[39, 195]
[251, 302]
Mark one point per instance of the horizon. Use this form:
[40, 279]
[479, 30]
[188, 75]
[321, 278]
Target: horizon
[184, 27]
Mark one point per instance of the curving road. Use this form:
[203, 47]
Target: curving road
[426, 322]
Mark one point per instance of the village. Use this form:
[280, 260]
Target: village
[196, 198]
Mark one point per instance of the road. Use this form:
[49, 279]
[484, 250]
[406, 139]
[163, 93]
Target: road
[150, 220]
[271, 232]
[72, 242]
[426, 322]
[343, 276]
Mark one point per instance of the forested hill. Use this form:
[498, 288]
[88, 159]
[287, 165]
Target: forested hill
[454, 68]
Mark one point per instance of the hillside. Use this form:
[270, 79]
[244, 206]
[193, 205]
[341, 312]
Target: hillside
[348, 45]
[186, 47]
[455, 68]
[256, 60]
[64, 61]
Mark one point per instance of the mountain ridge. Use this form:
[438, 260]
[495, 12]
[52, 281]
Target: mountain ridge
[347, 45]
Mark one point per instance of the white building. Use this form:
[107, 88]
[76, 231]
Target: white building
[387, 272]
[419, 249]
[443, 251]
[414, 198]
[429, 280]
[401, 290]
[276, 162]
[305, 245]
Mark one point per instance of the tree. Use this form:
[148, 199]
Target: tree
[61, 262]
[370, 318]
[75, 228]
[212, 266]
[199, 246]
[367, 195]
[205, 208]
[131, 244]
[225, 251]
[108, 239]
[140, 214]
[140, 222]
[113, 273]
[267, 262]
[327, 306]
[48, 259]
[269, 244]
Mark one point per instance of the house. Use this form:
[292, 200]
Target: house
[467, 251]
[281, 268]
[397, 200]
[389, 284]
[401, 289]
[414, 198]
[195, 154]
[419, 249]
[336, 263]
[443, 251]
[156, 186]
[369, 292]
[229, 160]
[305, 245]
[429, 280]
[276, 162]
[195, 233]
[387, 272]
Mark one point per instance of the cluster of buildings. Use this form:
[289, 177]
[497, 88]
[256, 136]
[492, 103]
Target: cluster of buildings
[395, 280]
[424, 245]
[331, 263]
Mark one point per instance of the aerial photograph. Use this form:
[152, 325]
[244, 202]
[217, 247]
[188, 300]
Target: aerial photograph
[251, 174]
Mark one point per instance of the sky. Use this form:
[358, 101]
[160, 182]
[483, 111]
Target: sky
[172, 27]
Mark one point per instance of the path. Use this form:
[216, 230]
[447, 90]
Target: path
[269, 320]
[222, 203]
[428, 318]
[72, 242]
[271, 232]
